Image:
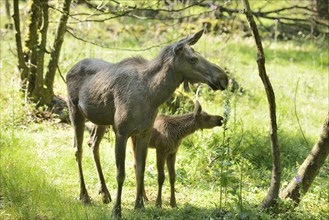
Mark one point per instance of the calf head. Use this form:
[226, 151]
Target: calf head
[205, 120]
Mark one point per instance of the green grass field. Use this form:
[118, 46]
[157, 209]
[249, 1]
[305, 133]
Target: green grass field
[39, 175]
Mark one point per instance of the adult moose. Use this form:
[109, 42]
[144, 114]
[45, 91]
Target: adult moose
[126, 95]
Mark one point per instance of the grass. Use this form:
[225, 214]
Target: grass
[39, 177]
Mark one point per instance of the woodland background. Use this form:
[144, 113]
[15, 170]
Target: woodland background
[223, 173]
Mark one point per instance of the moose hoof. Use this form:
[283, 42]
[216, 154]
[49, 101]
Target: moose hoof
[173, 205]
[85, 199]
[106, 197]
[139, 205]
[158, 204]
[116, 212]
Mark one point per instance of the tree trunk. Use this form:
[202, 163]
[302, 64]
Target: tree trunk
[31, 45]
[273, 192]
[55, 52]
[321, 7]
[21, 63]
[307, 172]
[38, 89]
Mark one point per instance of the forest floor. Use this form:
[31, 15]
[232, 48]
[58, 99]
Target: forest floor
[39, 175]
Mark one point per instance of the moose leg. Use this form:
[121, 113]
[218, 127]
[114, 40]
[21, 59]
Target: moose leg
[97, 135]
[92, 135]
[142, 142]
[161, 176]
[171, 159]
[78, 122]
[133, 139]
[120, 157]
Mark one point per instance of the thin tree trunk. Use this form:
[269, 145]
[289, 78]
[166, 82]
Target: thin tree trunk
[38, 89]
[321, 7]
[307, 172]
[273, 192]
[21, 63]
[55, 52]
[31, 44]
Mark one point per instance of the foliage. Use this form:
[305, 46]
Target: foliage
[221, 173]
[35, 84]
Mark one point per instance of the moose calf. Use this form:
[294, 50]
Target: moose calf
[166, 136]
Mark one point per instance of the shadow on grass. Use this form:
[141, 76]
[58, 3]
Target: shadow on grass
[188, 211]
[28, 192]
[249, 211]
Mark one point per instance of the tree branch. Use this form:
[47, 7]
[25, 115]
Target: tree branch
[273, 192]
[18, 38]
[286, 9]
[116, 48]
[279, 16]
[296, 114]
[130, 13]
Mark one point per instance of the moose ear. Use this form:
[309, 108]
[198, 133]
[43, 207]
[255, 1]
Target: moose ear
[191, 40]
[178, 47]
[197, 108]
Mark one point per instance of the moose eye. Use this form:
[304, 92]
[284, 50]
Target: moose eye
[193, 60]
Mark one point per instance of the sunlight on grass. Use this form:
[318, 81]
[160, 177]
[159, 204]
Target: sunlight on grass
[220, 173]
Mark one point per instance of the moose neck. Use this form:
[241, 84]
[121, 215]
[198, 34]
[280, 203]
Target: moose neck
[163, 80]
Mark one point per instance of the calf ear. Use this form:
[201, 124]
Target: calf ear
[191, 40]
[197, 109]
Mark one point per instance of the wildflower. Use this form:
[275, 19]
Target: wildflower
[298, 179]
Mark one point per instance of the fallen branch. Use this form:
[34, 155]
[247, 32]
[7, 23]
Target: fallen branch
[307, 172]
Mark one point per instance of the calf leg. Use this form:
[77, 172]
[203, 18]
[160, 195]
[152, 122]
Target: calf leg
[171, 159]
[96, 137]
[78, 122]
[120, 157]
[161, 176]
